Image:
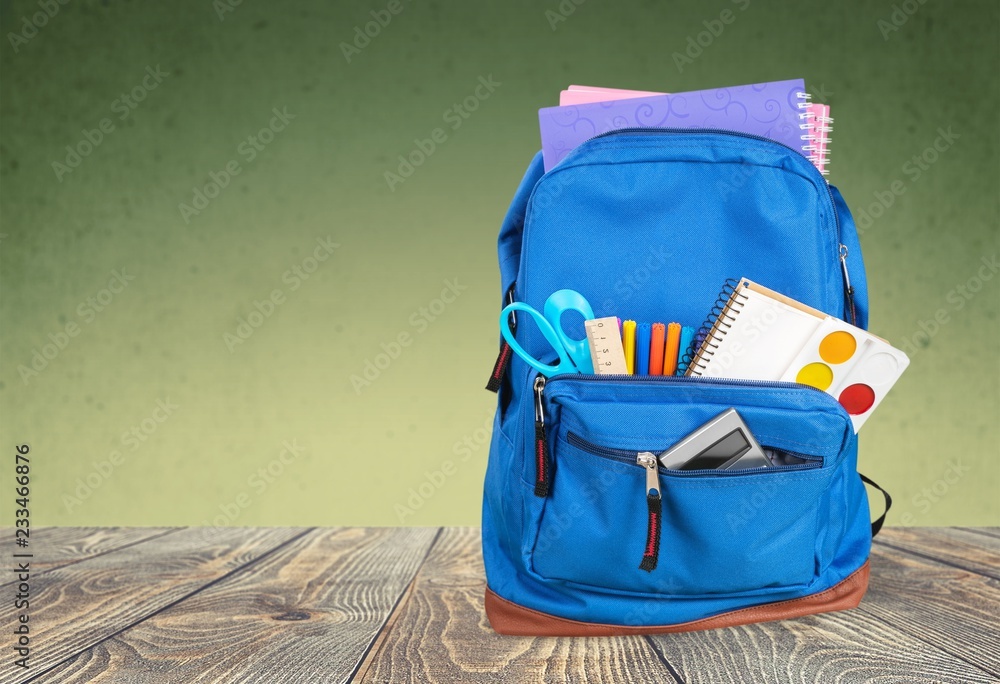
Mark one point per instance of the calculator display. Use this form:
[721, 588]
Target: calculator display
[731, 446]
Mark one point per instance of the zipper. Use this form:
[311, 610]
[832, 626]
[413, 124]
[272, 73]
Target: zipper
[543, 465]
[654, 511]
[848, 288]
[647, 130]
[649, 462]
[503, 359]
[632, 456]
[697, 382]
[721, 131]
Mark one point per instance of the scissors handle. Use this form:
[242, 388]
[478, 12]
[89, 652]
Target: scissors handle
[565, 364]
[556, 305]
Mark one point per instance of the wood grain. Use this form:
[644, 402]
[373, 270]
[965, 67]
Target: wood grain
[401, 605]
[961, 550]
[54, 547]
[74, 607]
[951, 609]
[851, 646]
[441, 634]
[922, 620]
[306, 613]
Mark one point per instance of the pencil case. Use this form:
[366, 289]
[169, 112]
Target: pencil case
[573, 543]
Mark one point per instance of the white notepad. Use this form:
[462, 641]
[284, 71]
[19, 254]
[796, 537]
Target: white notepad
[756, 336]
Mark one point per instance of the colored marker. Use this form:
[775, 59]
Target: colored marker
[642, 338]
[656, 340]
[687, 337]
[670, 348]
[628, 345]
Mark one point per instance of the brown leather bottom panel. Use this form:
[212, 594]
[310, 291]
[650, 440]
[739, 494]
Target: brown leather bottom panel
[509, 618]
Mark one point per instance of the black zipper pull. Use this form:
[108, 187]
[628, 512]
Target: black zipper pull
[543, 475]
[653, 504]
[848, 288]
[503, 360]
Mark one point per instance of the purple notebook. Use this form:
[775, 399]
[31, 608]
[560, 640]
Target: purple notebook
[774, 110]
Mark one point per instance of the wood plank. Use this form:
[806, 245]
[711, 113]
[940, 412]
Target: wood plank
[931, 639]
[850, 646]
[306, 613]
[55, 547]
[987, 537]
[954, 610]
[988, 531]
[965, 551]
[77, 606]
[441, 634]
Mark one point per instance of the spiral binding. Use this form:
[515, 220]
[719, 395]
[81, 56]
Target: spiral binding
[823, 128]
[817, 133]
[720, 319]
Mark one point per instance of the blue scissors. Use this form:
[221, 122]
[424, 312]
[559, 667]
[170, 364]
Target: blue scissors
[574, 355]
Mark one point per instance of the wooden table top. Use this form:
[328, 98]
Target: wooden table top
[343, 604]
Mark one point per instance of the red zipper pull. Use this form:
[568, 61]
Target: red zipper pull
[543, 476]
[503, 359]
[653, 504]
[499, 368]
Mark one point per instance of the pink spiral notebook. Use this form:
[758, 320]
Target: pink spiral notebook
[814, 122]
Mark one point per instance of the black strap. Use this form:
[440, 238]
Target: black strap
[877, 524]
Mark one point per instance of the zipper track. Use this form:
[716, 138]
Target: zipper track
[654, 380]
[629, 456]
[646, 130]
[681, 131]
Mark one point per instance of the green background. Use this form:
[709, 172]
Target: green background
[362, 452]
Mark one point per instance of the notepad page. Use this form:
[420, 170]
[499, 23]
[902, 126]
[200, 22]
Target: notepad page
[762, 339]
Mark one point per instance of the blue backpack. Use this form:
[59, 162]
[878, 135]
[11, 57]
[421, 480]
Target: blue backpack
[648, 224]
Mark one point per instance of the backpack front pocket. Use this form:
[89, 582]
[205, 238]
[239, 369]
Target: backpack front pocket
[612, 523]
